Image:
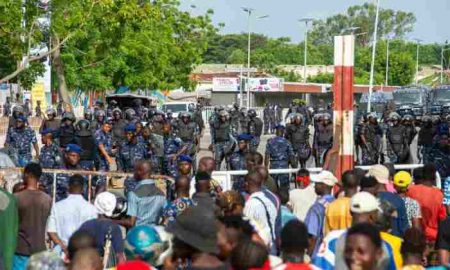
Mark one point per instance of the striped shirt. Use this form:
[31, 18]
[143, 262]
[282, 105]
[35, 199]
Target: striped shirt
[256, 211]
[146, 203]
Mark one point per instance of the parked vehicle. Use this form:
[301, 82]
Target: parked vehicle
[440, 100]
[411, 100]
[176, 107]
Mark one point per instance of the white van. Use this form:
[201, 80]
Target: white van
[176, 107]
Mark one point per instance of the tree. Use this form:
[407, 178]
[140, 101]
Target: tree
[238, 56]
[395, 24]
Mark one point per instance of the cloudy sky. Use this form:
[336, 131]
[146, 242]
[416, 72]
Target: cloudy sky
[433, 16]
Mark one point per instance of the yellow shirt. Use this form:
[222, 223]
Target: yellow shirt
[337, 215]
[413, 267]
[395, 243]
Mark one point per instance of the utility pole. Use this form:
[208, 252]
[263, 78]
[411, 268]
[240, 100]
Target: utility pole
[305, 56]
[417, 59]
[372, 66]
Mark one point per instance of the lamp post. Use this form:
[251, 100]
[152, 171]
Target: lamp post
[306, 21]
[249, 11]
[417, 59]
[443, 49]
[372, 65]
[388, 40]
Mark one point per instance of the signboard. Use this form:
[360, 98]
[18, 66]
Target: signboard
[225, 84]
[38, 94]
[265, 84]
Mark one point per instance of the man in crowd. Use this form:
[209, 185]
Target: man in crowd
[237, 160]
[9, 226]
[69, 214]
[303, 197]
[34, 208]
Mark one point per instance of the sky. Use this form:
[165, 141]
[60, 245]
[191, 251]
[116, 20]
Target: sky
[432, 15]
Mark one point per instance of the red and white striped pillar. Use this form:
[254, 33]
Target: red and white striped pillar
[344, 47]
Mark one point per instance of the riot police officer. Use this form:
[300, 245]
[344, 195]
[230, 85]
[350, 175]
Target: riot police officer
[7, 107]
[88, 115]
[323, 140]
[237, 162]
[272, 118]
[368, 142]
[196, 114]
[111, 106]
[255, 128]
[398, 145]
[100, 118]
[85, 139]
[234, 118]
[188, 132]
[427, 133]
[138, 108]
[67, 130]
[278, 155]
[266, 118]
[51, 122]
[19, 140]
[118, 126]
[222, 142]
[243, 121]
[298, 135]
[16, 113]
[410, 128]
[49, 158]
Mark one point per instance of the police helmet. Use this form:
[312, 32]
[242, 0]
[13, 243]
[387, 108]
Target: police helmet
[436, 119]
[235, 105]
[117, 111]
[426, 118]
[121, 207]
[100, 113]
[407, 117]
[18, 108]
[447, 117]
[184, 115]
[68, 116]
[113, 102]
[50, 111]
[223, 113]
[394, 116]
[326, 116]
[298, 116]
[82, 125]
[252, 113]
[130, 114]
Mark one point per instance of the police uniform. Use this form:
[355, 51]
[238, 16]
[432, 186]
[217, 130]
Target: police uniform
[279, 150]
[425, 141]
[237, 162]
[370, 149]
[298, 136]
[62, 179]
[50, 158]
[188, 133]
[172, 145]
[255, 128]
[106, 140]
[221, 141]
[398, 148]
[323, 141]
[19, 142]
[266, 119]
[130, 153]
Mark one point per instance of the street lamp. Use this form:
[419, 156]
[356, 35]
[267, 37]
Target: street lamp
[443, 49]
[417, 59]
[388, 39]
[351, 29]
[249, 11]
[372, 65]
[306, 21]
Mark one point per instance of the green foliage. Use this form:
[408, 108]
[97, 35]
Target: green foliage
[322, 78]
[288, 76]
[237, 56]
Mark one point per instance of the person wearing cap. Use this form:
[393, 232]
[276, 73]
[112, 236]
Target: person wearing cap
[173, 148]
[51, 156]
[236, 161]
[103, 140]
[400, 222]
[402, 180]
[50, 122]
[71, 162]
[365, 209]
[298, 134]
[279, 153]
[102, 227]
[195, 239]
[19, 140]
[130, 151]
[69, 214]
[315, 218]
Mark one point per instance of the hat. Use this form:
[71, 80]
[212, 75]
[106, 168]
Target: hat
[197, 227]
[245, 137]
[380, 172]
[105, 203]
[325, 177]
[47, 131]
[279, 126]
[364, 202]
[73, 148]
[130, 128]
[402, 179]
[45, 260]
[21, 118]
[184, 158]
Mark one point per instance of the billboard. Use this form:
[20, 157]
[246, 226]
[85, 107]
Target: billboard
[265, 84]
[226, 84]
[38, 94]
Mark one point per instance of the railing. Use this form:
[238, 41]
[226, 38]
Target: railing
[11, 176]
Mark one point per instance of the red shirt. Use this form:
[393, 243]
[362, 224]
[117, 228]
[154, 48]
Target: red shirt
[296, 266]
[430, 200]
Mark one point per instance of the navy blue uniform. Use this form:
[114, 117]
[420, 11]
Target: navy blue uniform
[19, 142]
[279, 150]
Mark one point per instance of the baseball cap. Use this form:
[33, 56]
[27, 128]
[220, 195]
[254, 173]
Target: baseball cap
[73, 148]
[279, 126]
[105, 203]
[184, 158]
[402, 179]
[46, 131]
[325, 177]
[130, 128]
[21, 118]
[380, 172]
[244, 137]
[364, 202]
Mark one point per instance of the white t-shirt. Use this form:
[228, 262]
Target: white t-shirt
[301, 200]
